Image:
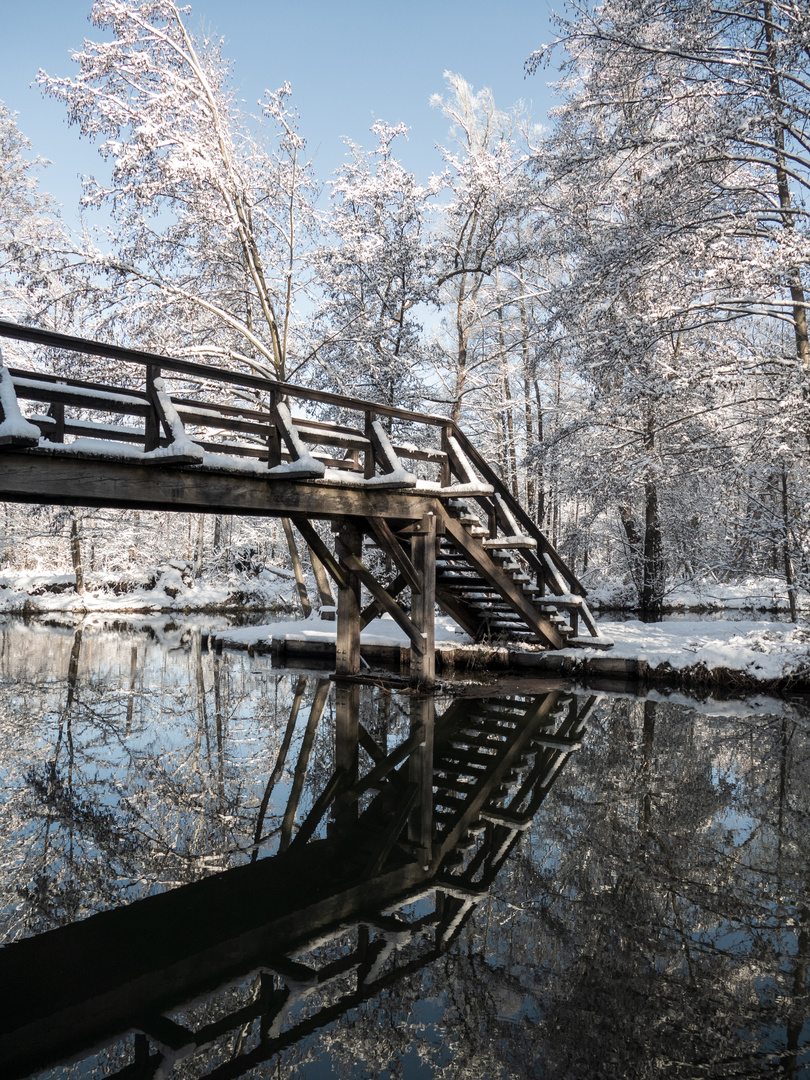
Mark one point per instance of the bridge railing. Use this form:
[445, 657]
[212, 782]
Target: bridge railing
[257, 433]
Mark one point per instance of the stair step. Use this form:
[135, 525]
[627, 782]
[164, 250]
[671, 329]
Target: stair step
[510, 543]
[458, 769]
[471, 760]
[454, 783]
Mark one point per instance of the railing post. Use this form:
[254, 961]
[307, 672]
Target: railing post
[57, 432]
[369, 457]
[273, 438]
[492, 519]
[445, 477]
[152, 426]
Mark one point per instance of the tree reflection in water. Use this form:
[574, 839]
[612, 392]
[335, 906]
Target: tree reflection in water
[649, 918]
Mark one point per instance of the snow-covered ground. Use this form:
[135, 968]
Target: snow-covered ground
[383, 631]
[762, 650]
[170, 587]
[750, 594]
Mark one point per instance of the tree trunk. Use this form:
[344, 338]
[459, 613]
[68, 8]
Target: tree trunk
[321, 580]
[652, 589]
[200, 546]
[788, 561]
[306, 606]
[785, 202]
[76, 552]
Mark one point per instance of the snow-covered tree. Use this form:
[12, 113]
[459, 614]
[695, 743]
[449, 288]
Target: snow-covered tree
[33, 240]
[671, 235]
[489, 196]
[374, 272]
[206, 208]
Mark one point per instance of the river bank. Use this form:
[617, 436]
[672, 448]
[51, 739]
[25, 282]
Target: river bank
[699, 654]
[753, 656]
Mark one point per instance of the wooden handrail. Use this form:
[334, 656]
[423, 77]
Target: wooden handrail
[526, 522]
[52, 339]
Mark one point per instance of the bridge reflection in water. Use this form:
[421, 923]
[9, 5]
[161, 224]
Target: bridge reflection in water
[390, 861]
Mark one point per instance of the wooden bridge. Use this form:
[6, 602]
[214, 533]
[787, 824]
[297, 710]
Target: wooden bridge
[408, 484]
[447, 806]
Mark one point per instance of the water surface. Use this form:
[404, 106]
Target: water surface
[630, 898]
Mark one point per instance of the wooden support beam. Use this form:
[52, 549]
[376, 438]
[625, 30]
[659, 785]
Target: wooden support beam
[84, 480]
[458, 610]
[310, 534]
[423, 603]
[375, 608]
[391, 546]
[386, 601]
[349, 547]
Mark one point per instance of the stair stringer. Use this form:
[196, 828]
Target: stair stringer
[482, 562]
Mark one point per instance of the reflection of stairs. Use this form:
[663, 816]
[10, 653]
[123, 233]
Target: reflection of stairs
[492, 757]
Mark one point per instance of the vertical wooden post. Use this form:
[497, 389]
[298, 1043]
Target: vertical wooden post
[349, 541]
[57, 433]
[369, 458]
[423, 554]
[152, 432]
[420, 770]
[445, 476]
[273, 440]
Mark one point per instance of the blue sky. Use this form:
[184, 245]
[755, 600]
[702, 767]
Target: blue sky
[349, 63]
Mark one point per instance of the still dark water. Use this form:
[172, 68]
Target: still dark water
[303, 880]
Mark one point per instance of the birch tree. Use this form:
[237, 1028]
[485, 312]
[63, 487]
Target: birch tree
[206, 209]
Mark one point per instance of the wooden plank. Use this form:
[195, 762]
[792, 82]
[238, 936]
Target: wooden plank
[423, 603]
[69, 480]
[124, 402]
[348, 546]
